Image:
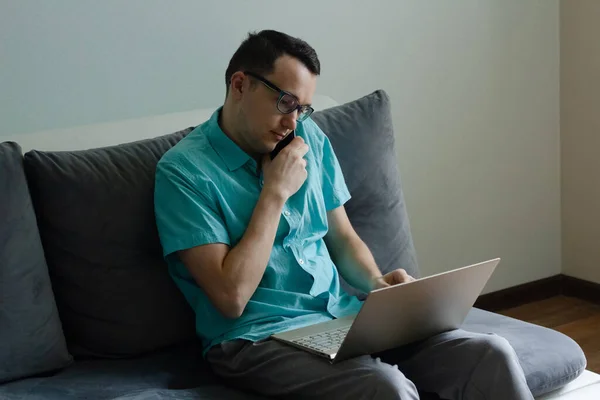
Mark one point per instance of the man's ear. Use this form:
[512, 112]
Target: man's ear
[238, 84]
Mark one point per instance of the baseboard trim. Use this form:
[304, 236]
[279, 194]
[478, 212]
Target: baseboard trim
[580, 288]
[539, 290]
[521, 294]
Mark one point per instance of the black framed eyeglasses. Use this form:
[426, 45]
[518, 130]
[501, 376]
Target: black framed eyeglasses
[287, 103]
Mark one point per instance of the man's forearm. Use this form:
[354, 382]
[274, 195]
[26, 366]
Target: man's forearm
[355, 263]
[246, 262]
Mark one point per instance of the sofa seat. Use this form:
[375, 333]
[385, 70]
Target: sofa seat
[549, 359]
[176, 373]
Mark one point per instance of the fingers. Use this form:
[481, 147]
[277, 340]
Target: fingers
[403, 276]
[298, 145]
[297, 149]
[297, 157]
[297, 141]
[397, 276]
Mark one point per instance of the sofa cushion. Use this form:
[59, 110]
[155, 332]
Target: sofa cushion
[549, 358]
[362, 136]
[31, 336]
[96, 219]
[173, 374]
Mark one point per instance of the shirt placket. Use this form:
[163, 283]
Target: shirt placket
[291, 241]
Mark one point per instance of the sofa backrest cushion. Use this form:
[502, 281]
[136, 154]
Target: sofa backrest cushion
[96, 219]
[31, 336]
[95, 211]
[362, 137]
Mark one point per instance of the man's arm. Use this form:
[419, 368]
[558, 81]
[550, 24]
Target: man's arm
[229, 277]
[353, 258]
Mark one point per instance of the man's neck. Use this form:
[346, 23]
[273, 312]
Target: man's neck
[227, 125]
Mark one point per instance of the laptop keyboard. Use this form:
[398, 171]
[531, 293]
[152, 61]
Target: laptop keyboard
[324, 341]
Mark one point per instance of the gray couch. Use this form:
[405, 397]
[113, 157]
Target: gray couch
[89, 310]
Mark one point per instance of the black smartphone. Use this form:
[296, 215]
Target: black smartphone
[284, 142]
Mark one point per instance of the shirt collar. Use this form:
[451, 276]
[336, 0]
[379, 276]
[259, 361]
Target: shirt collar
[233, 156]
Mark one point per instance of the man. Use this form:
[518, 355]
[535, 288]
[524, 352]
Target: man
[256, 246]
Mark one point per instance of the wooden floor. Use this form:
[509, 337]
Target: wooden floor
[576, 318]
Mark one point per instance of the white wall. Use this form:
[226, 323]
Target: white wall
[474, 86]
[580, 137]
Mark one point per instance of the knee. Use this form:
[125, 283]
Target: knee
[495, 348]
[385, 381]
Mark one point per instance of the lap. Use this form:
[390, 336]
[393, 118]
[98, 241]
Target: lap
[441, 346]
[273, 368]
[449, 359]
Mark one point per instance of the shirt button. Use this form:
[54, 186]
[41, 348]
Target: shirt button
[286, 213]
[301, 261]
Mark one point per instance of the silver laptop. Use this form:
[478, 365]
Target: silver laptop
[397, 315]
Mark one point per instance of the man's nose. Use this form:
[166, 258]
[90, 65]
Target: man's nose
[289, 120]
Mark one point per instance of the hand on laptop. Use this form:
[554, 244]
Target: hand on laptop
[394, 277]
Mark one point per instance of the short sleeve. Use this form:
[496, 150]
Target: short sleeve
[185, 214]
[335, 190]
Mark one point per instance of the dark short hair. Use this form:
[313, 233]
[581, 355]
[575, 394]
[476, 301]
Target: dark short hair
[258, 53]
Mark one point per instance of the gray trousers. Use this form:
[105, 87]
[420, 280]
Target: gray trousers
[455, 365]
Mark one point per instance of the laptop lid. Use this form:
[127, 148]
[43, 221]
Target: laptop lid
[405, 313]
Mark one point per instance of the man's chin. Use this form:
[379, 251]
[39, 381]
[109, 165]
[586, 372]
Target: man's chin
[269, 147]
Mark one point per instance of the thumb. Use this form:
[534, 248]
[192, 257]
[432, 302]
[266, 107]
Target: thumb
[390, 278]
[400, 276]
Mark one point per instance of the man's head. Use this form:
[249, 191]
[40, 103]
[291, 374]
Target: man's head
[271, 79]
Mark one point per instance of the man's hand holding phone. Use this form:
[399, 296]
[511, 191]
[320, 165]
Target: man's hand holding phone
[285, 174]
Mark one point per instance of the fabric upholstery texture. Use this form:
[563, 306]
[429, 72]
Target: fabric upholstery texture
[549, 358]
[31, 336]
[175, 374]
[96, 219]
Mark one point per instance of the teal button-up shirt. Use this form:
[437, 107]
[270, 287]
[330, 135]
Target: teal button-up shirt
[206, 190]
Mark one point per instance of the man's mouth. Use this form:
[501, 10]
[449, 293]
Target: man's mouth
[278, 135]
